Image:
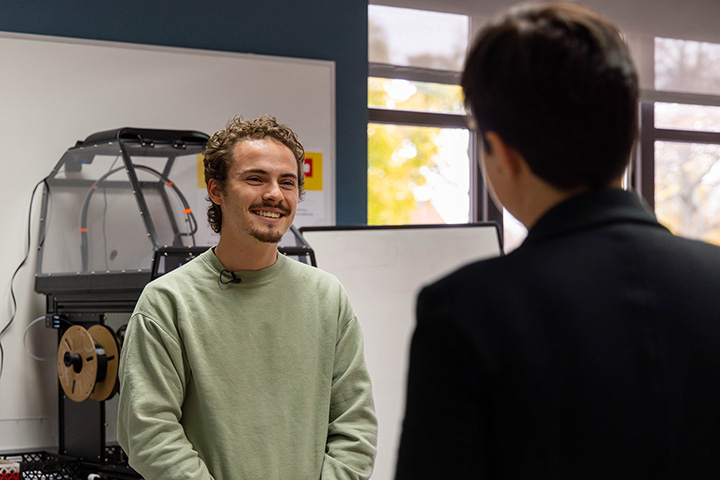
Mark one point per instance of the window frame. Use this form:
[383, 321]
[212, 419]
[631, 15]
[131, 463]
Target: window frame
[482, 208]
[641, 167]
[643, 170]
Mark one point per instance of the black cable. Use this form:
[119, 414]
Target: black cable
[189, 215]
[22, 263]
[105, 207]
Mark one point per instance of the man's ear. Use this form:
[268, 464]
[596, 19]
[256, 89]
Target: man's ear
[507, 159]
[215, 192]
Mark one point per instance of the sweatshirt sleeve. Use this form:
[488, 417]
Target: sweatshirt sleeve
[153, 375]
[352, 428]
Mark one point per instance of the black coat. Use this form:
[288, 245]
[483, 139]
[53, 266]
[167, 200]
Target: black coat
[592, 351]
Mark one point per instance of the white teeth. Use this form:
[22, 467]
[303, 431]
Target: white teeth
[263, 213]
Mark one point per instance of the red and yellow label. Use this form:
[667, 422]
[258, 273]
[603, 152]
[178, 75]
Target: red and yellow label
[313, 171]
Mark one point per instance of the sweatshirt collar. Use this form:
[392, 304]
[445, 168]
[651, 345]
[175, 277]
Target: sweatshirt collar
[246, 276]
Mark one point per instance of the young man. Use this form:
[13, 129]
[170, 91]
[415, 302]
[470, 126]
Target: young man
[593, 350]
[244, 364]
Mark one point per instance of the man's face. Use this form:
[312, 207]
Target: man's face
[261, 192]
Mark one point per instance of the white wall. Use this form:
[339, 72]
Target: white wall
[54, 92]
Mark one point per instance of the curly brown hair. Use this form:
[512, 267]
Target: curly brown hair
[218, 153]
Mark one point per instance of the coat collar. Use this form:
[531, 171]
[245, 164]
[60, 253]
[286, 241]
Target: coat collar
[590, 210]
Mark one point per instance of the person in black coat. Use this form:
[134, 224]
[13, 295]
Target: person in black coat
[593, 350]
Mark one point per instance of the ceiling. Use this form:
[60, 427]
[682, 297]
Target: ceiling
[685, 19]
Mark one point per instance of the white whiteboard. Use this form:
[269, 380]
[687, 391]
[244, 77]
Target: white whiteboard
[383, 269]
[55, 91]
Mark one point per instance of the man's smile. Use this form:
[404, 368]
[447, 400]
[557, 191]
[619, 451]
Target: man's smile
[268, 214]
[269, 211]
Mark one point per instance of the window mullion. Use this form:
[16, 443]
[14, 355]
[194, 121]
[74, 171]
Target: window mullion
[426, 119]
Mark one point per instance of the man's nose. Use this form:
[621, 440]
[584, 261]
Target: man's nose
[272, 192]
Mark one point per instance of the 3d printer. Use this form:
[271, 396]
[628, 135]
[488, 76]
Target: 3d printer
[114, 215]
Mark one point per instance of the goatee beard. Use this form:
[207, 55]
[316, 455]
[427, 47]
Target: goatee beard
[270, 236]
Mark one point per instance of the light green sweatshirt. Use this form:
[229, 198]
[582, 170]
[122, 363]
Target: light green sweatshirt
[259, 380]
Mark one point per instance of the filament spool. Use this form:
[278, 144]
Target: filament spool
[88, 363]
[105, 339]
[77, 363]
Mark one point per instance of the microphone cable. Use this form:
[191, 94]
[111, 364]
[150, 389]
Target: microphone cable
[233, 278]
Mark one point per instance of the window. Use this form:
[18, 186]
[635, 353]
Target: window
[422, 164]
[685, 66]
[687, 188]
[416, 38]
[680, 139]
[416, 96]
[417, 175]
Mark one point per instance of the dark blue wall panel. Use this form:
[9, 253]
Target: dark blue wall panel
[318, 29]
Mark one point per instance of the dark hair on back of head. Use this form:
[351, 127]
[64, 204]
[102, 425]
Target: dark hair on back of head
[556, 81]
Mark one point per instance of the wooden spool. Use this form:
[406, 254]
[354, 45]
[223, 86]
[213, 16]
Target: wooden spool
[77, 363]
[88, 363]
[105, 338]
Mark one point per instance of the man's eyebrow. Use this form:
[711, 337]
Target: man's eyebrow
[253, 170]
[260, 171]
